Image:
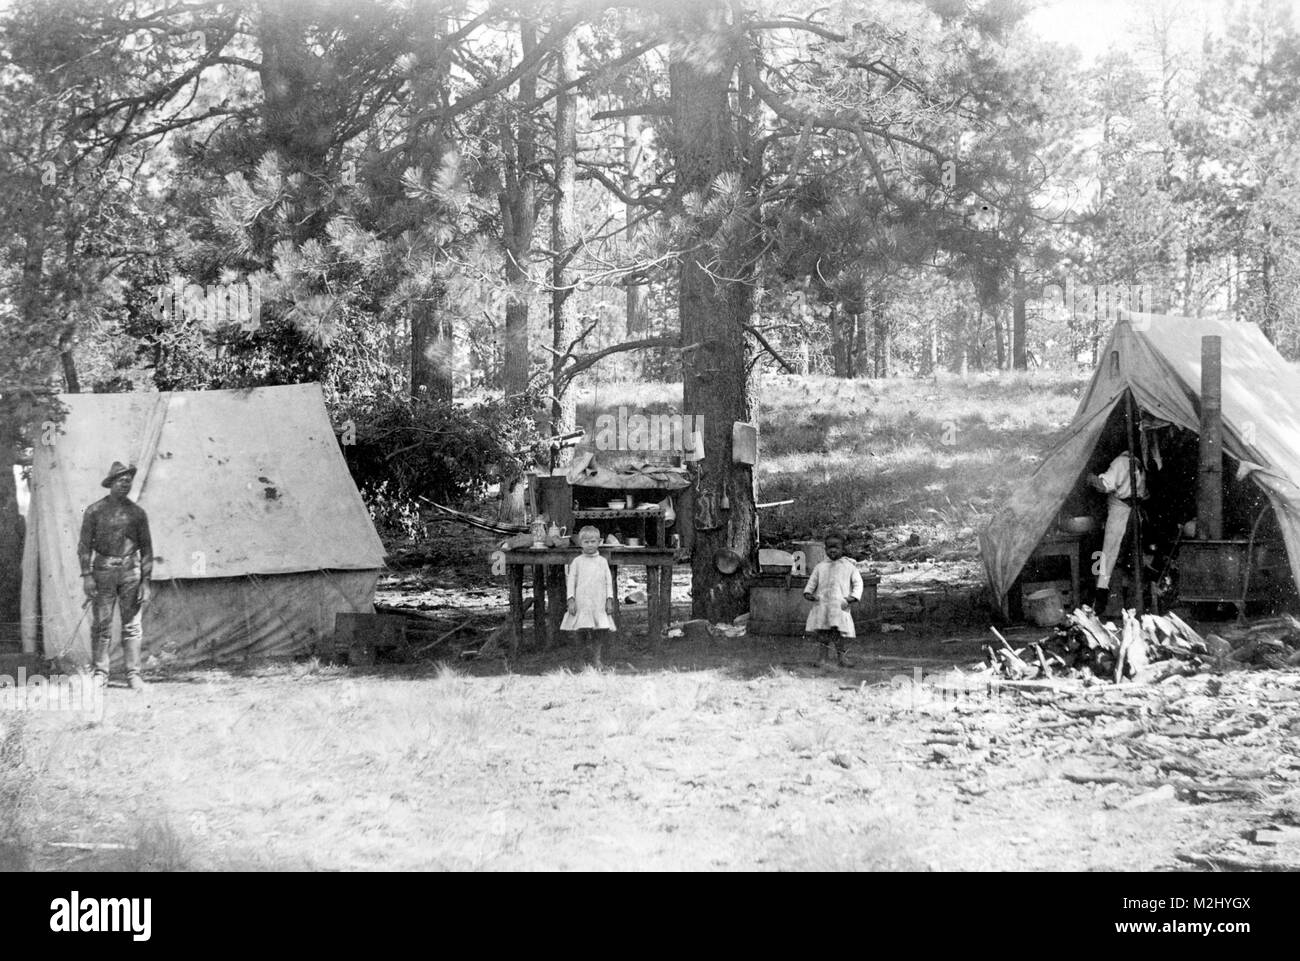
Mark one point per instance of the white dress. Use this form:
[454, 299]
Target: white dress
[833, 582]
[589, 583]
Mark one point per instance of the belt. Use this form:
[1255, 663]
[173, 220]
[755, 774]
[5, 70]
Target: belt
[119, 560]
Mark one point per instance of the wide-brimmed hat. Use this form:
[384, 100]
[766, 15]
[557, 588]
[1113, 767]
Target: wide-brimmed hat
[116, 471]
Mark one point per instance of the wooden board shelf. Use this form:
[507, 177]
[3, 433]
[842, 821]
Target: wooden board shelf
[605, 513]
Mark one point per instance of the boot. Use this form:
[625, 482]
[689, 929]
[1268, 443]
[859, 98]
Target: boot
[1101, 601]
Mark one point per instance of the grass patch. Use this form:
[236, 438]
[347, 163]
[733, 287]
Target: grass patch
[876, 845]
[885, 459]
[158, 845]
[935, 456]
[17, 787]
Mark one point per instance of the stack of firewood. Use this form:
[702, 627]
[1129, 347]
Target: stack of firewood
[1147, 648]
[1272, 643]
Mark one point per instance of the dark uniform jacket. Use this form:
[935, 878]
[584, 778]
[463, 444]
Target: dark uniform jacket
[115, 528]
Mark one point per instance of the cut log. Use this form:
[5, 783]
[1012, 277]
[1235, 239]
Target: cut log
[1163, 793]
[1095, 633]
[1161, 670]
[1100, 777]
[1228, 862]
[1216, 646]
[1225, 788]
[1275, 834]
[1185, 629]
[1246, 652]
[1042, 661]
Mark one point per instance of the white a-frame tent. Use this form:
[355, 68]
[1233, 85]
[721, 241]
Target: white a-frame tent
[259, 535]
[1158, 359]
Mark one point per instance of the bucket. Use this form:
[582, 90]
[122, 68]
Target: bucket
[1044, 607]
[814, 553]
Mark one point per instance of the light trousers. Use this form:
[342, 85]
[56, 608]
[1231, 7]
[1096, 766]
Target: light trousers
[1117, 513]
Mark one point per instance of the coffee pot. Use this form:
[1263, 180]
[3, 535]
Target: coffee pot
[538, 529]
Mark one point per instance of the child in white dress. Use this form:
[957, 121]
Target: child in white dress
[835, 584]
[590, 592]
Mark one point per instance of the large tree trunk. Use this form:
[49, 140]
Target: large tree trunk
[1270, 311]
[636, 293]
[519, 214]
[68, 361]
[839, 343]
[712, 311]
[295, 113]
[11, 545]
[884, 340]
[999, 339]
[859, 366]
[1019, 331]
[519, 222]
[432, 349]
[564, 236]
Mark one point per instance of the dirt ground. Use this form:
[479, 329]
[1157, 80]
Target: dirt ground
[738, 753]
[734, 753]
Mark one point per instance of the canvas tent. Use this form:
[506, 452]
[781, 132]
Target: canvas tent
[1158, 358]
[259, 534]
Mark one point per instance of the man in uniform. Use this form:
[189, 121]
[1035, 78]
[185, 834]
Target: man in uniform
[1115, 484]
[116, 555]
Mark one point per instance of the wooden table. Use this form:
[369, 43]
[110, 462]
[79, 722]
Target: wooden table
[1061, 544]
[549, 601]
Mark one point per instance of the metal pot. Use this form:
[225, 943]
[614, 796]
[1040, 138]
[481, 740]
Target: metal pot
[727, 561]
[1082, 524]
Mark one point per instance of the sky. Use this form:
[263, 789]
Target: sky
[1094, 25]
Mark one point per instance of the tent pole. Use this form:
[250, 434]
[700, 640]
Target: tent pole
[1134, 520]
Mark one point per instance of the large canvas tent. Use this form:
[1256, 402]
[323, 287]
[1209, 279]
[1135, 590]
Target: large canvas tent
[259, 534]
[1158, 358]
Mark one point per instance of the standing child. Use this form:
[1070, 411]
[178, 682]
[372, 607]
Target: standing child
[835, 584]
[590, 588]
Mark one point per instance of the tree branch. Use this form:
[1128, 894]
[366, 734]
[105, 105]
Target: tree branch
[592, 173]
[844, 120]
[654, 109]
[769, 348]
[590, 360]
[796, 25]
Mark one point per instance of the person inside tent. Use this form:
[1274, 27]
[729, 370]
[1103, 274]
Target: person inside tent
[1116, 484]
[116, 556]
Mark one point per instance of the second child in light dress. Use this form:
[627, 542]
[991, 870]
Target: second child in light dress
[835, 585]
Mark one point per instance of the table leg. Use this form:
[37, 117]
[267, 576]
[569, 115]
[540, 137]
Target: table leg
[558, 603]
[653, 615]
[665, 598]
[1075, 586]
[515, 579]
[613, 573]
[539, 606]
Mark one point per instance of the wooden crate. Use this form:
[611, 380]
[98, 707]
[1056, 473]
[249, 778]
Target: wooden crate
[783, 612]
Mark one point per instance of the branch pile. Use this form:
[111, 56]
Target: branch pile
[1148, 648]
